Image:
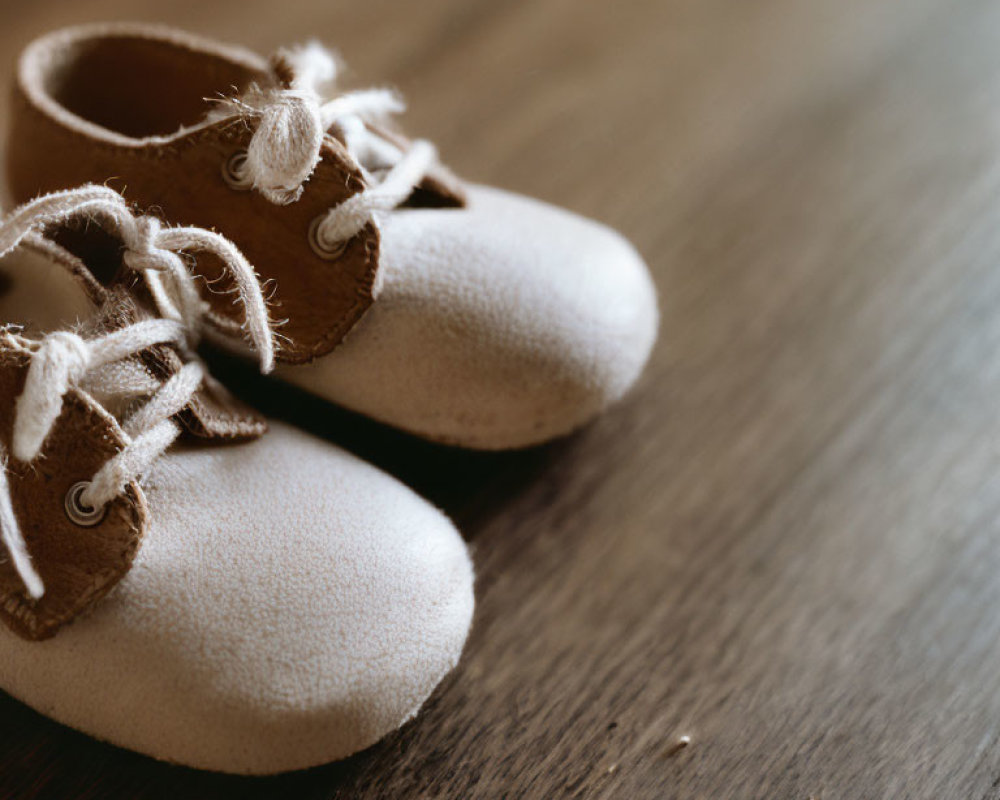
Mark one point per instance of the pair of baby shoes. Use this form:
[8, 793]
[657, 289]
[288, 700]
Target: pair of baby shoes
[181, 576]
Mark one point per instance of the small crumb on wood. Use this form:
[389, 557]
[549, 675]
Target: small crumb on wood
[612, 769]
[675, 747]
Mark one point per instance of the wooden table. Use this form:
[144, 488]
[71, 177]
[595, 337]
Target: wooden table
[785, 543]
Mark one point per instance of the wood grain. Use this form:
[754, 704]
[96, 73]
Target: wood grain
[785, 543]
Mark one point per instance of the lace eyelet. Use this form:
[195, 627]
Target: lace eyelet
[78, 513]
[321, 248]
[234, 173]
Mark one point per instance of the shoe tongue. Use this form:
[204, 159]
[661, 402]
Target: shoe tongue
[279, 74]
[119, 310]
[213, 412]
[282, 70]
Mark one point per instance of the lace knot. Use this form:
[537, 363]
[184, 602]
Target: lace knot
[142, 251]
[285, 148]
[292, 121]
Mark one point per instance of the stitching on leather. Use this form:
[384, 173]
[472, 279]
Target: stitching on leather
[129, 508]
[124, 510]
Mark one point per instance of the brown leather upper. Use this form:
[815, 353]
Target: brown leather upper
[179, 174]
[183, 181]
[78, 565]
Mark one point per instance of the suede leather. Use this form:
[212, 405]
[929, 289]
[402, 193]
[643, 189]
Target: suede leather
[78, 565]
[179, 173]
[521, 339]
[289, 605]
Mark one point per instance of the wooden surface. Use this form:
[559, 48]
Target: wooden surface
[785, 544]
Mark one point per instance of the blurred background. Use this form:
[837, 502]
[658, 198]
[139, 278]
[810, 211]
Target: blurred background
[784, 545]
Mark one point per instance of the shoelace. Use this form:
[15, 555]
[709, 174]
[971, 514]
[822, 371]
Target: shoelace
[153, 251]
[291, 123]
[104, 364]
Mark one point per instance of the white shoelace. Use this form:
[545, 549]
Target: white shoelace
[153, 251]
[104, 365]
[291, 123]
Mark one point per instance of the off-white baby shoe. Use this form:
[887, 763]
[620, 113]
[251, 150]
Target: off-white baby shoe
[172, 580]
[495, 321]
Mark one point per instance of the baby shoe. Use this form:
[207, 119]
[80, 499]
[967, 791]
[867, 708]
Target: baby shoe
[498, 321]
[172, 580]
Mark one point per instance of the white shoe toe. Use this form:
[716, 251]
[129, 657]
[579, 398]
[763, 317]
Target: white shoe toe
[289, 606]
[500, 325]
